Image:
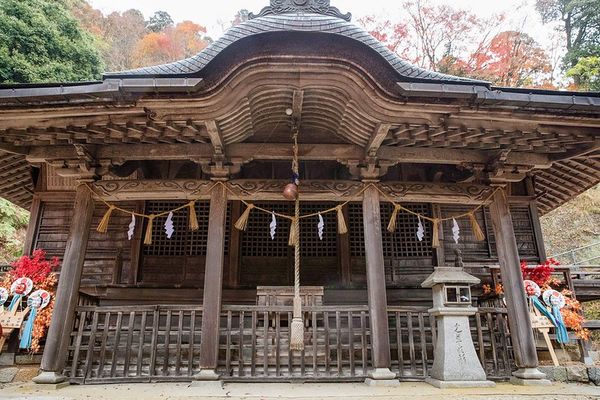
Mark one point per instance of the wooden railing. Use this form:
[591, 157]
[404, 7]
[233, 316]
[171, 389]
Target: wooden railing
[255, 343]
[413, 339]
[162, 343]
[134, 344]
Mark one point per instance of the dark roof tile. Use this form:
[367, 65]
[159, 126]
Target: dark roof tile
[296, 22]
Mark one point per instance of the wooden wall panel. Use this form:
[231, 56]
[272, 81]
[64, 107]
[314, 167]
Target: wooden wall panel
[106, 253]
[485, 252]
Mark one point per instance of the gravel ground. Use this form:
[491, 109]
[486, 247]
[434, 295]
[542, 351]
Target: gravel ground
[346, 391]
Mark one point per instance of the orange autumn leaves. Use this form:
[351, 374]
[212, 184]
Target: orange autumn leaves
[173, 43]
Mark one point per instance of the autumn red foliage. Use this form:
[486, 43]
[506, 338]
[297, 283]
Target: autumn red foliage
[41, 272]
[35, 267]
[540, 274]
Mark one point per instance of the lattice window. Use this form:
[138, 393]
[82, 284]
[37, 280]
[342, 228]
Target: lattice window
[183, 242]
[310, 244]
[401, 244]
[256, 240]
[356, 230]
[524, 233]
[472, 250]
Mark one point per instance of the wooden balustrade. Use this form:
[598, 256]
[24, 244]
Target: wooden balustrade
[134, 344]
[413, 339]
[162, 343]
[255, 343]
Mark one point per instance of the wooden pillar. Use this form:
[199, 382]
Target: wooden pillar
[380, 340]
[213, 285]
[518, 315]
[67, 292]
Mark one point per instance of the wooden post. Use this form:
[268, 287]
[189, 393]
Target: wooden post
[380, 340]
[213, 285]
[518, 314]
[67, 293]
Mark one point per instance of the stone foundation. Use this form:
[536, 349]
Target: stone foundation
[573, 373]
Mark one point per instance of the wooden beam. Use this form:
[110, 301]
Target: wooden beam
[215, 136]
[508, 257]
[380, 340]
[380, 133]
[281, 151]
[578, 152]
[9, 148]
[268, 189]
[67, 292]
[297, 102]
[213, 285]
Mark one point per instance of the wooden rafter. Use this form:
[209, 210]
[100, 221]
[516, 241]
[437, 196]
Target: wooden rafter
[377, 139]
[215, 136]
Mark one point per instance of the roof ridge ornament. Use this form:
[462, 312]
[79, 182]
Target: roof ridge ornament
[301, 6]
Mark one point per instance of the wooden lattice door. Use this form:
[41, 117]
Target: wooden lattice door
[179, 260]
[267, 261]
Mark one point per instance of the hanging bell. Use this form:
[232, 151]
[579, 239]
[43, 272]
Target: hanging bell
[290, 192]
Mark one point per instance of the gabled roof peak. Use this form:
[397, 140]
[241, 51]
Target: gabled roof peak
[302, 6]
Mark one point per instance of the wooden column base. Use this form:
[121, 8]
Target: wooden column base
[529, 377]
[51, 378]
[382, 377]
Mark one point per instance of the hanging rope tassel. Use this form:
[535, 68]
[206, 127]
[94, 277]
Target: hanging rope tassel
[103, 225]
[435, 236]
[393, 219]
[292, 239]
[297, 327]
[342, 228]
[193, 218]
[477, 232]
[242, 222]
[148, 236]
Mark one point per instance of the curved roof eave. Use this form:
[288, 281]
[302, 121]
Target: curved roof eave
[298, 22]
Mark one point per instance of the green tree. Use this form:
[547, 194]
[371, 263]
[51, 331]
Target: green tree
[580, 22]
[13, 221]
[587, 73]
[159, 21]
[41, 42]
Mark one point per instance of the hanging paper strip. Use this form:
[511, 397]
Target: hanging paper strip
[320, 227]
[420, 231]
[273, 226]
[455, 230]
[131, 230]
[169, 229]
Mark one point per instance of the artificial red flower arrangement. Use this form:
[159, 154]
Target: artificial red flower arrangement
[542, 275]
[41, 271]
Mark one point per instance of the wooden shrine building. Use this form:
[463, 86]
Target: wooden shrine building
[215, 131]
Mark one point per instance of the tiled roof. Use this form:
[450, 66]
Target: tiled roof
[300, 22]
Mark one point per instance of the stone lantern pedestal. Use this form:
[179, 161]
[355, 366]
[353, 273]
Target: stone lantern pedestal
[455, 363]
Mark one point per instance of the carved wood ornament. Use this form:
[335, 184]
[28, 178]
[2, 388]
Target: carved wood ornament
[301, 6]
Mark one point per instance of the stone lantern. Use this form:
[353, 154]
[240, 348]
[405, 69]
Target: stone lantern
[455, 362]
